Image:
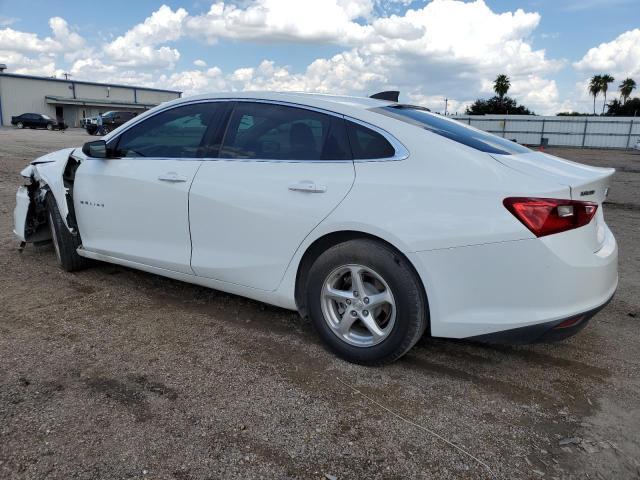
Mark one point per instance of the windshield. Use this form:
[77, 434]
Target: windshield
[452, 129]
[46, 117]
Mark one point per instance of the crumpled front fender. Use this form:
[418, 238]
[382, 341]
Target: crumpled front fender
[48, 171]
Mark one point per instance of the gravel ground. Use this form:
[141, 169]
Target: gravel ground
[115, 373]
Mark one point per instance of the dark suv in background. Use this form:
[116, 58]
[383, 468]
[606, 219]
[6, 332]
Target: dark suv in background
[110, 121]
[37, 120]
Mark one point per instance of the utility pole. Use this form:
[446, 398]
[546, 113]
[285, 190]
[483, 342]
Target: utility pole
[446, 104]
[66, 76]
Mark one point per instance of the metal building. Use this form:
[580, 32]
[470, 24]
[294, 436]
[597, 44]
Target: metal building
[72, 100]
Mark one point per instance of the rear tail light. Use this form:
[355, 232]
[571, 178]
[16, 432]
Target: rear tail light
[546, 216]
[570, 322]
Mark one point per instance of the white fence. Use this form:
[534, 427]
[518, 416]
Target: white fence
[591, 132]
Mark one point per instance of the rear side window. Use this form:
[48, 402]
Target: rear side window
[453, 130]
[175, 133]
[368, 144]
[279, 132]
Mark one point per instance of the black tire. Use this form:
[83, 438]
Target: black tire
[412, 312]
[20, 125]
[49, 126]
[64, 242]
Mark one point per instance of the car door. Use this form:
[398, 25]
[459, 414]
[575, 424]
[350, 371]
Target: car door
[281, 170]
[135, 206]
[30, 120]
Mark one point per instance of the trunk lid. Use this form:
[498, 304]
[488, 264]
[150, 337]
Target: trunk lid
[586, 183]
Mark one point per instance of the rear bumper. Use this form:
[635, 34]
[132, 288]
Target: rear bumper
[543, 332]
[518, 290]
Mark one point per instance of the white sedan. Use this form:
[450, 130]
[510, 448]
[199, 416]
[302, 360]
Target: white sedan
[379, 221]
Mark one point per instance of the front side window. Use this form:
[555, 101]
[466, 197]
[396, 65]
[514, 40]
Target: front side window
[279, 132]
[452, 129]
[175, 133]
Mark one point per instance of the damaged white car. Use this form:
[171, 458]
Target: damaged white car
[378, 220]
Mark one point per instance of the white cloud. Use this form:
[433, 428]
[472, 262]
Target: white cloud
[32, 65]
[281, 20]
[27, 53]
[448, 48]
[138, 46]
[63, 39]
[620, 57]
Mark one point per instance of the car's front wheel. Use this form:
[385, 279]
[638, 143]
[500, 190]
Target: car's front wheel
[65, 243]
[366, 302]
[49, 126]
[20, 125]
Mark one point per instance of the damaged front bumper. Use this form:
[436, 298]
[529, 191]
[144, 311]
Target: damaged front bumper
[21, 213]
[43, 176]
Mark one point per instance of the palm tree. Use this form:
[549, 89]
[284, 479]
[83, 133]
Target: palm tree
[501, 85]
[626, 87]
[595, 86]
[605, 80]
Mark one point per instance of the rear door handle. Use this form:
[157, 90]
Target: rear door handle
[172, 177]
[306, 186]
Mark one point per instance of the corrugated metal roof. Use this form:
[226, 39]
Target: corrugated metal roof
[94, 102]
[83, 82]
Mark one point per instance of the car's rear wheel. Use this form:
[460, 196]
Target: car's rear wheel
[49, 126]
[65, 243]
[20, 125]
[366, 302]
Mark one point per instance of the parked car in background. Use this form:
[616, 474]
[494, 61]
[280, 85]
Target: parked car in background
[110, 121]
[380, 221]
[37, 120]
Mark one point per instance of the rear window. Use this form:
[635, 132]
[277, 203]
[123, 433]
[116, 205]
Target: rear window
[452, 129]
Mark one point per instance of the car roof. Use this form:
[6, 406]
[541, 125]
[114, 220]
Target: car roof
[336, 103]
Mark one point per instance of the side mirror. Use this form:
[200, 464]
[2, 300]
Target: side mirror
[96, 149]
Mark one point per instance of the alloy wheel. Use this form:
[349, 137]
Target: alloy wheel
[358, 305]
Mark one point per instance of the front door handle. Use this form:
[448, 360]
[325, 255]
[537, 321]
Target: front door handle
[307, 186]
[172, 177]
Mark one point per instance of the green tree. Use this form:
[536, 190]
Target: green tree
[572, 114]
[595, 87]
[626, 87]
[501, 85]
[497, 105]
[631, 108]
[605, 80]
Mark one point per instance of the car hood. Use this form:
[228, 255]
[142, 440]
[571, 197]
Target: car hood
[57, 156]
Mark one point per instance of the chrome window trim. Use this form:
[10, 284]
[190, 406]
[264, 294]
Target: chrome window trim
[401, 152]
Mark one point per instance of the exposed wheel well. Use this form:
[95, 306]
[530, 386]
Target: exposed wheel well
[327, 241]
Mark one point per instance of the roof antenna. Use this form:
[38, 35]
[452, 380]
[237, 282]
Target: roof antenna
[390, 95]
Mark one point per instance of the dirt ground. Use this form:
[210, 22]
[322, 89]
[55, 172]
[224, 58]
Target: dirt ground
[115, 373]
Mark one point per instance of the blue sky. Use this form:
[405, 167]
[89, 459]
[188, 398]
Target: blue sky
[429, 50]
